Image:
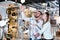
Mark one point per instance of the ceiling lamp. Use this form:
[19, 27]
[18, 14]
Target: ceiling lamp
[22, 1]
[44, 4]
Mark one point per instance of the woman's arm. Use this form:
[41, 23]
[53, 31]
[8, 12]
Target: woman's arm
[43, 29]
[40, 32]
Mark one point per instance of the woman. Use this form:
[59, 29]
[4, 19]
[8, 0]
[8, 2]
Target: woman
[46, 30]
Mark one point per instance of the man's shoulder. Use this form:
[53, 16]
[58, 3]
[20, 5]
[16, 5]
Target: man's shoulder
[31, 18]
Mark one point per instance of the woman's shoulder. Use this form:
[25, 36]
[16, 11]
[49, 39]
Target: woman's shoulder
[47, 23]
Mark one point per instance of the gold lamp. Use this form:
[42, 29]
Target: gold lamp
[12, 12]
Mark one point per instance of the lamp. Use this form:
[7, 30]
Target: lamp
[44, 4]
[22, 1]
[58, 21]
[57, 18]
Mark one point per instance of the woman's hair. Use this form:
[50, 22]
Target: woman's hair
[40, 12]
[47, 15]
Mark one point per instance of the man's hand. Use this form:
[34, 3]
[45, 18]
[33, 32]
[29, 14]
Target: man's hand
[33, 24]
[37, 35]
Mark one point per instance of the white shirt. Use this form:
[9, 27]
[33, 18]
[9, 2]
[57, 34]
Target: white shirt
[46, 31]
[34, 29]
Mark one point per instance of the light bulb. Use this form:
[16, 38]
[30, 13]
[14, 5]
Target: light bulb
[22, 1]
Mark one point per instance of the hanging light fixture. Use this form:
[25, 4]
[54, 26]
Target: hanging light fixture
[22, 1]
[44, 4]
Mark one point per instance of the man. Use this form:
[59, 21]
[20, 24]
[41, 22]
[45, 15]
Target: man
[2, 24]
[36, 23]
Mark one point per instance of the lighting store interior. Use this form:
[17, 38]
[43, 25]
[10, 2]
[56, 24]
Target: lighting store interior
[20, 20]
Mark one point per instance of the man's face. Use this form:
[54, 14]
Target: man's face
[37, 16]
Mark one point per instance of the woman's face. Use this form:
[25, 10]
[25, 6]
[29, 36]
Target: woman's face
[44, 16]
